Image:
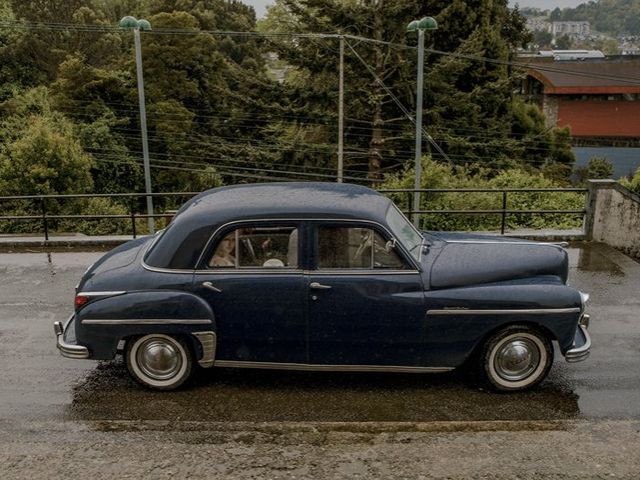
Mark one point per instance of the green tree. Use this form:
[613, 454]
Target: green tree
[633, 183]
[543, 39]
[563, 42]
[44, 158]
[17, 70]
[466, 100]
[600, 167]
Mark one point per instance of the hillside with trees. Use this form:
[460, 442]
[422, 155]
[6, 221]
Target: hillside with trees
[614, 17]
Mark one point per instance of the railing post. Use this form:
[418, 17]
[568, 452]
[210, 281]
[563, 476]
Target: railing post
[45, 224]
[132, 209]
[504, 211]
[409, 203]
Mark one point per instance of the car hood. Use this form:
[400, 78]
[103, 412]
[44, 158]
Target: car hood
[458, 260]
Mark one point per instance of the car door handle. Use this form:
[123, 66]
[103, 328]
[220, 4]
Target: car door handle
[211, 286]
[319, 286]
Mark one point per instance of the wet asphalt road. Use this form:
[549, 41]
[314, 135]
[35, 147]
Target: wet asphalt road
[40, 385]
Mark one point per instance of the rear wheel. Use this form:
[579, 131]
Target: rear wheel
[159, 361]
[516, 358]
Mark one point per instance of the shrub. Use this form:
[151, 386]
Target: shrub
[440, 176]
[632, 184]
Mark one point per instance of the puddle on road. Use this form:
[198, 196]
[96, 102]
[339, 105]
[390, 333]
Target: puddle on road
[590, 258]
[227, 395]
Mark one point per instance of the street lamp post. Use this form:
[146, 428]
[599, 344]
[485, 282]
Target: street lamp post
[136, 26]
[426, 23]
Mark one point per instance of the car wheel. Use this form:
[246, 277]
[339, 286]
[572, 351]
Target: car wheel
[516, 358]
[158, 361]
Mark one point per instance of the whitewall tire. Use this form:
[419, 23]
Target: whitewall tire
[159, 361]
[516, 358]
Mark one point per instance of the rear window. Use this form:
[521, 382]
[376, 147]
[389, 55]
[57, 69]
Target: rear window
[175, 249]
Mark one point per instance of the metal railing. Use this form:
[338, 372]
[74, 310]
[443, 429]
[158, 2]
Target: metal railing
[503, 212]
[41, 204]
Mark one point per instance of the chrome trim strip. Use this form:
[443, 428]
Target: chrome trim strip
[208, 342]
[507, 242]
[528, 311]
[68, 350]
[346, 271]
[406, 255]
[166, 270]
[249, 271]
[332, 368]
[102, 294]
[581, 353]
[146, 321]
[280, 271]
[211, 286]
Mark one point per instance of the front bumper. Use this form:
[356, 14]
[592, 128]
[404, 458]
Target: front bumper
[65, 336]
[581, 342]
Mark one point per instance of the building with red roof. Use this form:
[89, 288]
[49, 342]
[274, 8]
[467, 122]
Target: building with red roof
[597, 99]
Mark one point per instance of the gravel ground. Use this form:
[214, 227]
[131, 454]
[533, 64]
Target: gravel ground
[451, 450]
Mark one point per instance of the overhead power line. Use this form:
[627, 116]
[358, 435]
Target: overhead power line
[399, 104]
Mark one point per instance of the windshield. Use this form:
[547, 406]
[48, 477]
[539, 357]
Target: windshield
[404, 231]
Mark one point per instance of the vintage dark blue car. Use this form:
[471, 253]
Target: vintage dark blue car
[320, 276]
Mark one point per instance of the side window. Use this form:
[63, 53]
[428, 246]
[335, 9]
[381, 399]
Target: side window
[262, 247]
[355, 247]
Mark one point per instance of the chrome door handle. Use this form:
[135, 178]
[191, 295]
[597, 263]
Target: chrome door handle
[210, 286]
[319, 286]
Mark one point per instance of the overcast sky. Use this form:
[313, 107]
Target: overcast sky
[261, 5]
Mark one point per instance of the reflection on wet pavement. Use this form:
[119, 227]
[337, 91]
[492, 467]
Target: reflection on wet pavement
[593, 260]
[263, 396]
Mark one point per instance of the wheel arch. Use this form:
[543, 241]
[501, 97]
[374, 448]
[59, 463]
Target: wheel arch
[482, 341]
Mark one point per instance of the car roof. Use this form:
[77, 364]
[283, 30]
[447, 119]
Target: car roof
[196, 221]
[304, 199]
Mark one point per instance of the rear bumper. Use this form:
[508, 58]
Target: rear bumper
[581, 342]
[66, 342]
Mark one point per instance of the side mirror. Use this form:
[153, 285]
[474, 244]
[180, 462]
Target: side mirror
[390, 245]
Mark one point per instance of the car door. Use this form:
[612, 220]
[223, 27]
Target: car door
[366, 298]
[252, 278]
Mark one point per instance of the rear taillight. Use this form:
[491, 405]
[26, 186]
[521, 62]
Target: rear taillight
[81, 300]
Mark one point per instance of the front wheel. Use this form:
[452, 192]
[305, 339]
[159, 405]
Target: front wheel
[159, 361]
[516, 358]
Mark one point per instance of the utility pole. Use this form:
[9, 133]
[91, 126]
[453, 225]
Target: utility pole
[341, 114]
[136, 26]
[418, 167]
[426, 23]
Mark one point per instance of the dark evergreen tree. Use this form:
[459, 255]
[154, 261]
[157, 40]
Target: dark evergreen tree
[468, 100]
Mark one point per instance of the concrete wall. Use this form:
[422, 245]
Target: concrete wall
[613, 216]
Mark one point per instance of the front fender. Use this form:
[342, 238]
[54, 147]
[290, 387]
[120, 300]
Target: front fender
[101, 324]
[458, 320]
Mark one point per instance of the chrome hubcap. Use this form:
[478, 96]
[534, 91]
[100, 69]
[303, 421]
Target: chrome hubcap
[159, 359]
[517, 359]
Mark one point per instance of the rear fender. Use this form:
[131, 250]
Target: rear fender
[101, 324]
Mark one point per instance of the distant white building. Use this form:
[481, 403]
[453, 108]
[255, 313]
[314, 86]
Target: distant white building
[538, 25]
[560, 55]
[571, 29]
